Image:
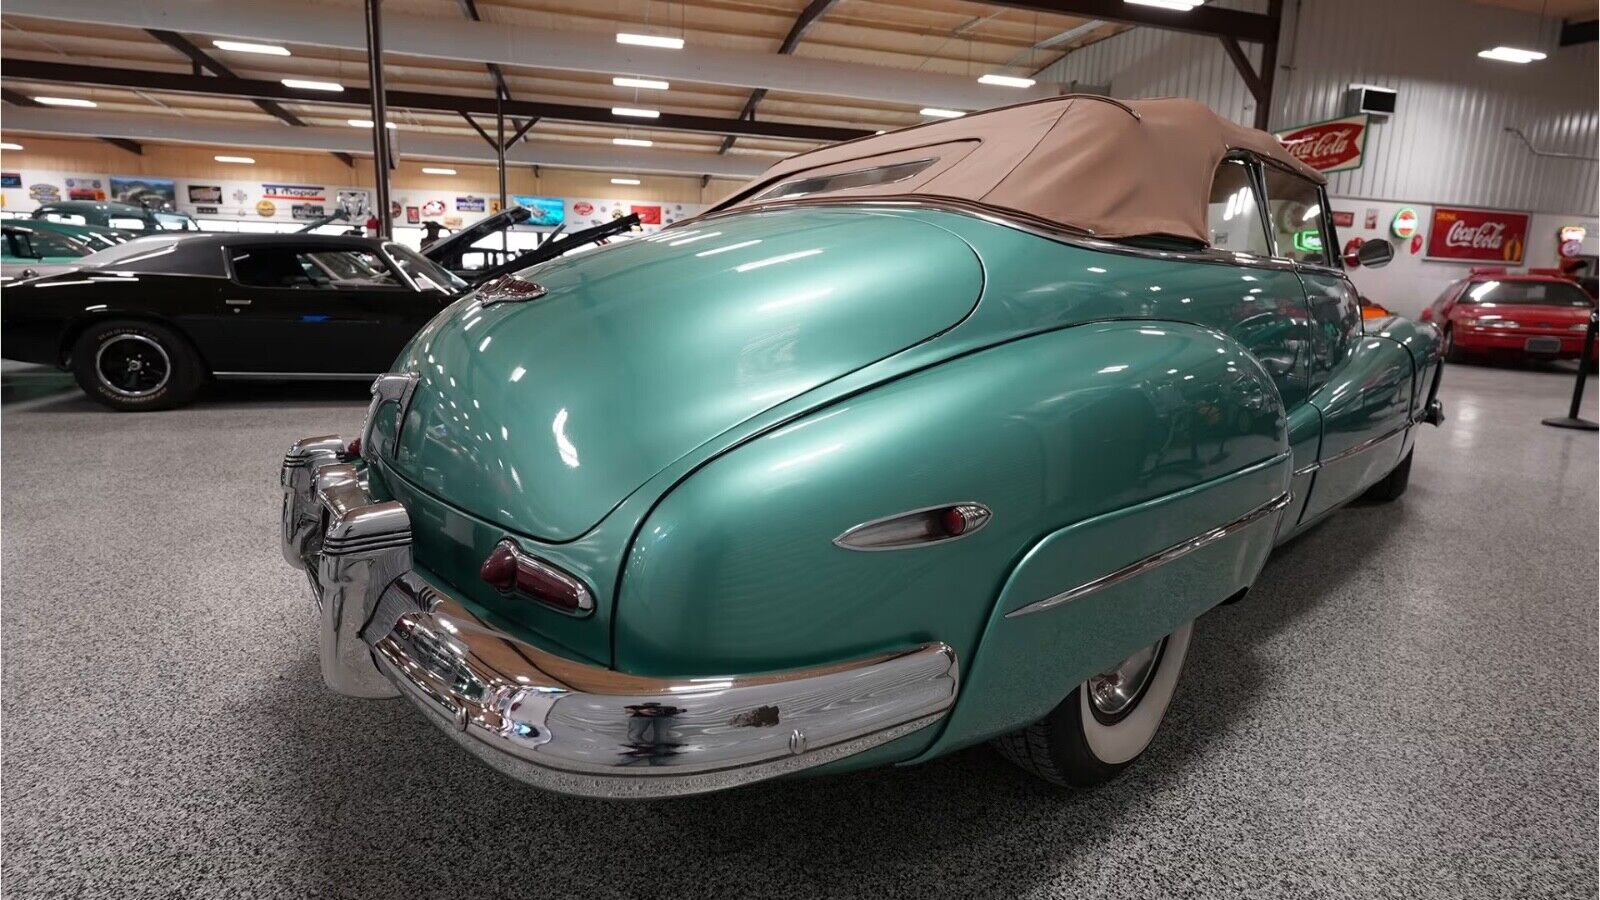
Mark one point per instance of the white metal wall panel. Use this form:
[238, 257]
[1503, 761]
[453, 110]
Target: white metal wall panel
[1447, 141]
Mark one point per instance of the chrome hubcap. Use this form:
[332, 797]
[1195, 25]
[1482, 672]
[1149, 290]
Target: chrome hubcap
[1117, 690]
[132, 365]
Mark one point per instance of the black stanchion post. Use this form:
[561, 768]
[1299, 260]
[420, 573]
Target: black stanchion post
[1572, 419]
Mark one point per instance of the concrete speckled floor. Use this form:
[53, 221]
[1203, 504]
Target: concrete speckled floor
[1404, 707]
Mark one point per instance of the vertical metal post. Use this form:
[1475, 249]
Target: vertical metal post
[1572, 419]
[500, 164]
[380, 118]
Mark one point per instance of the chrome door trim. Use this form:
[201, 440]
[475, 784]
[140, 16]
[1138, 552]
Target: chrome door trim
[1160, 558]
[1365, 445]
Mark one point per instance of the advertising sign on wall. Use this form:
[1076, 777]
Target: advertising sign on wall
[550, 211]
[142, 191]
[1477, 235]
[1332, 146]
[1344, 219]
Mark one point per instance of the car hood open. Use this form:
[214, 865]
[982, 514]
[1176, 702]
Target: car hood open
[541, 407]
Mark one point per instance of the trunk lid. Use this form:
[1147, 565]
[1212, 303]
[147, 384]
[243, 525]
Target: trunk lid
[542, 415]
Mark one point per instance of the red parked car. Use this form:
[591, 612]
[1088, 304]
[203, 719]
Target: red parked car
[1495, 313]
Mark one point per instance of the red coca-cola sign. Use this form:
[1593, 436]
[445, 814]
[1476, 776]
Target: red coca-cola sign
[1477, 235]
[1332, 146]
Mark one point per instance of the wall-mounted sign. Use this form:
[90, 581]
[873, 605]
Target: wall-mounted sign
[1570, 249]
[547, 211]
[1405, 223]
[471, 204]
[305, 193]
[205, 193]
[85, 189]
[1569, 234]
[144, 191]
[1477, 235]
[1344, 219]
[11, 179]
[1332, 146]
[1308, 241]
[1371, 218]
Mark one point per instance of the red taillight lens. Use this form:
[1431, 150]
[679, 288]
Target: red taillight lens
[954, 521]
[508, 569]
[352, 450]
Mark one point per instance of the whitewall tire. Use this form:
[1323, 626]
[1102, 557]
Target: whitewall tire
[1107, 722]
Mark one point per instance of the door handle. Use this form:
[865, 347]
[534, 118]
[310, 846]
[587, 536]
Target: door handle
[232, 302]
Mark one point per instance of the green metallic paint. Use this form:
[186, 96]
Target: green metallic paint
[1099, 402]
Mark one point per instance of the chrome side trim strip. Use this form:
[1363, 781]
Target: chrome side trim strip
[298, 376]
[1365, 445]
[1307, 470]
[1161, 558]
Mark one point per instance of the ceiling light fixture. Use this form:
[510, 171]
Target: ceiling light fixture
[367, 123]
[437, 170]
[1006, 81]
[649, 84]
[632, 142]
[247, 47]
[7, 145]
[241, 160]
[1178, 5]
[938, 113]
[66, 101]
[305, 85]
[624, 181]
[650, 40]
[636, 113]
[1511, 55]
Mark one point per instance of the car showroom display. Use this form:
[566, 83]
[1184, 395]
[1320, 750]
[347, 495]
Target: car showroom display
[920, 440]
[1495, 313]
[124, 217]
[143, 325]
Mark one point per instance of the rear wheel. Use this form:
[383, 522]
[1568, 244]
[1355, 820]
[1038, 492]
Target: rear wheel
[1393, 484]
[1452, 353]
[1105, 723]
[135, 366]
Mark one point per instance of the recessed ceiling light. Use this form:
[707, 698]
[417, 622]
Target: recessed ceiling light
[938, 113]
[247, 47]
[636, 113]
[1006, 81]
[241, 160]
[367, 123]
[1179, 5]
[649, 84]
[624, 181]
[650, 40]
[632, 142]
[66, 101]
[437, 170]
[304, 85]
[1511, 55]
[7, 145]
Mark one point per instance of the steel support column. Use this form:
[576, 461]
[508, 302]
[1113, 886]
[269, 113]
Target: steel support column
[381, 162]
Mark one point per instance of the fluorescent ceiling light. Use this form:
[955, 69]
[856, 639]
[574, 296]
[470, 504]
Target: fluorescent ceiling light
[938, 113]
[247, 47]
[7, 145]
[304, 85]
[1006, 81]
[636, 113]
[1179, 5]
[66, 101]
[1511, 55]
[367, 123]
[632, 142]
[649, 84]
[650, 40]
[624, 181]
[437, 170]
[241, 160]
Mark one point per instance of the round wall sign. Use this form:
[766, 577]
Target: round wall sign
[1405, 223]
[1570, 249]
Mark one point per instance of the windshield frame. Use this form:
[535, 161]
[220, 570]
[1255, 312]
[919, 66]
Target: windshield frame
[443, 279]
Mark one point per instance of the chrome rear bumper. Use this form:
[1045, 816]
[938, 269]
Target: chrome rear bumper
[553, 722]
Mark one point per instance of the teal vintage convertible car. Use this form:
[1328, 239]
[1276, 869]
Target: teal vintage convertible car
[936, 437]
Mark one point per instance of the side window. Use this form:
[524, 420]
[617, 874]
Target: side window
[17, 246]
[287, 267]
[1234, 216]
[1295, 207]
[65, 218]
[53, 245]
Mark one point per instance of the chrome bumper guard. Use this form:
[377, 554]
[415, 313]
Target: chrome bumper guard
[553, 722]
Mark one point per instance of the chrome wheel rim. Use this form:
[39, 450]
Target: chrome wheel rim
[1115, 692]
[132, 365]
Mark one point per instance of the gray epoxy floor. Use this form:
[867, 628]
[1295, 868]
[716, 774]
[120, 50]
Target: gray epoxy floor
[1405, 707]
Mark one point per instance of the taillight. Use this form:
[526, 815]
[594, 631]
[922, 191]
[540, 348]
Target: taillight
[352, 450]
[509, 570]
[917, 527]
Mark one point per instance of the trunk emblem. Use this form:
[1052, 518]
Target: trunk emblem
[510, 289]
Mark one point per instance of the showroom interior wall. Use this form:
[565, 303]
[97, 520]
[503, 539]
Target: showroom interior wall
[1446, 143]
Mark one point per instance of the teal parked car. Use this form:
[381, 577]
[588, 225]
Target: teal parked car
[928, 439]
[29, 252]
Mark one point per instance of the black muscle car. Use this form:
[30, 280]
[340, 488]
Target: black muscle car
[143, 325]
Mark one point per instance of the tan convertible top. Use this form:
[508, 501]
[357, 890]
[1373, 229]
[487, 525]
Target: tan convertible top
[1091, 164]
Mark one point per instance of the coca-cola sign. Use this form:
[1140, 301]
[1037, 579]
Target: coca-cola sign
[1332, 146]
[1477, 235]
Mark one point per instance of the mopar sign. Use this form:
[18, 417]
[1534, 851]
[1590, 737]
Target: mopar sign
[304, 192]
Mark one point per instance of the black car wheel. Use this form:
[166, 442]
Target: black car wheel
[1393, 484]
[1451, 352]
[135, 366]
